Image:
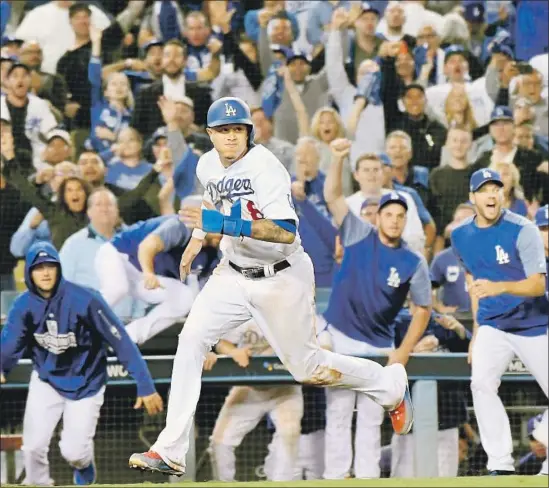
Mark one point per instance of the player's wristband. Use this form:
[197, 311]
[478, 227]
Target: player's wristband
[216, 223]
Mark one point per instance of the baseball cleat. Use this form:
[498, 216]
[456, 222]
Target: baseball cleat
[501, 472]
[85, 476]
[402, 417]
[151, 461]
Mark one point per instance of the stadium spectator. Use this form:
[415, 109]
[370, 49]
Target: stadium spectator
[58, 147]
[48, 86]
[163, 20]
[529, 86]
[175, 82]
[5, 64]
[73, 65]
[283, 150]
[428, 136]
[104, 222]
[317, 233]
[369, 176]
[449, 184]
[535, 462]
[398, 147]
[429, 57]
[391, 26]
[52, 25]
[502, 131]
[110, 109]
[30, 116]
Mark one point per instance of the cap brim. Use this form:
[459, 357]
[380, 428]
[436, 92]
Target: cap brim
[508, 119]
[497, 182]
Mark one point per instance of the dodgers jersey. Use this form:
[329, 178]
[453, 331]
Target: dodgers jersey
[510, 250]
[372, 284]
[66, 336]
[255, 187]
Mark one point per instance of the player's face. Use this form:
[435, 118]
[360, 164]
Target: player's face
[230, 141]
[488, 200]
[545, 236]
[44, 276]
[369, 175]
[391, 221]
[91, 167]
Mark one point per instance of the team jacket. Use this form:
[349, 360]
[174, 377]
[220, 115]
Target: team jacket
[67, 335]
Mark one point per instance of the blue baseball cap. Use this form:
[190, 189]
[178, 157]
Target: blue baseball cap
[152, 43]
[159, 133]
[297, 54]
[368, 202]
[533, 423]
[501, 112]
[368, 7]
[542, 216]
[483, 176]
[502, 49]
[44, 257]
[392, 197]
[385, 159]
[453, 50]
[474, 13]
[11, 40]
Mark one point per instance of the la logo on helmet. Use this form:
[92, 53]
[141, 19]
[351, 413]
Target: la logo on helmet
[230, 111]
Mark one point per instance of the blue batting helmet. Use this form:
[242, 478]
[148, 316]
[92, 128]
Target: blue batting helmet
[230, 110]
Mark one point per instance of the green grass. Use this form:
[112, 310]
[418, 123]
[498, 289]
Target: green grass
[477, 481]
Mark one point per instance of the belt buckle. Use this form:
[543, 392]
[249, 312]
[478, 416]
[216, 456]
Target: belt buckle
[249, 273]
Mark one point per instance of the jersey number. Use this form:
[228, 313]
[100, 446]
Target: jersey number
[254, 212]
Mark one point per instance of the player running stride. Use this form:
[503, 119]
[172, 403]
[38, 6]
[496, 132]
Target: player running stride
[265, 275]
[503, 257]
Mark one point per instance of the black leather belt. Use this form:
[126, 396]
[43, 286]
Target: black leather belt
[260, 271]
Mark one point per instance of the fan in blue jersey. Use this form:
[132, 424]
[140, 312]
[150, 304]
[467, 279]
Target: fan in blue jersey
[65, 328]
[377, 273]
[504, 261]
[143, 261]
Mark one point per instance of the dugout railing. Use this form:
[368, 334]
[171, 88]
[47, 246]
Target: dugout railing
[122, 430]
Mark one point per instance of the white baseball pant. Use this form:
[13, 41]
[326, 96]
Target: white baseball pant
[119, 278]
[493, 350]
[283, 308]
[244, 407]
[340, 407]
[43, 411]
[403, 457]
[310, 459]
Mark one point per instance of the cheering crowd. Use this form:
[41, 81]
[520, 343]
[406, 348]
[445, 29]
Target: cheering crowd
[103, 109]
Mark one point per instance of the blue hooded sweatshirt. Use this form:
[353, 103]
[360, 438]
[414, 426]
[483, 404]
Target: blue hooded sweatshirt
[67, 335]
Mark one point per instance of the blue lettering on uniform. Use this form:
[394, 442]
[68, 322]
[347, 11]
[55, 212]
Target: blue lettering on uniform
[229, 189]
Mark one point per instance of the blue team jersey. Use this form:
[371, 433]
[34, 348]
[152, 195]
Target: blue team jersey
[170, 229]
[510, 250]
[447, 273]
[67, 334]
[372, 284]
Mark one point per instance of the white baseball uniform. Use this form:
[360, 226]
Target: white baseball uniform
[118, 278]
[281, 304]
[245, 406]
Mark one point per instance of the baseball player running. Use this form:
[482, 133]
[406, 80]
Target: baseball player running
[502, 254]
[264, 275]
[245, 406]
[143, 261]
[65, 327]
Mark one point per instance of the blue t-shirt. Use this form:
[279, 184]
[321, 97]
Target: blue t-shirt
[447, 273]
[372, 284]
[170, 229]
[126, 177]
[509, 250]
